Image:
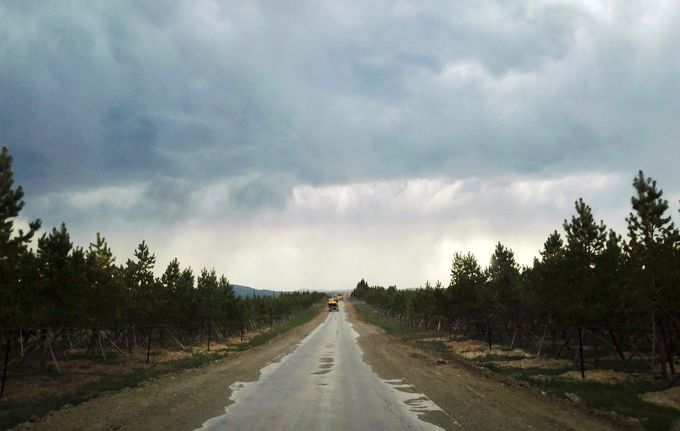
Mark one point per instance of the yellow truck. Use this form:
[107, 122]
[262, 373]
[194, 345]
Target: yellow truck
[333, 305]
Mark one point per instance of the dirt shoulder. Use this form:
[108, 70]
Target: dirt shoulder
[471, 397]
[178, 401]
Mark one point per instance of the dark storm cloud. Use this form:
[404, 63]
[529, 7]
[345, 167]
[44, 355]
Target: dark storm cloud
[173, 99]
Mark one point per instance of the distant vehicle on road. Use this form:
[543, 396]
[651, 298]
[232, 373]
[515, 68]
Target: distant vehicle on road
[333, 305]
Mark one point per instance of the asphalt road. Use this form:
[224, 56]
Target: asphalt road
[324, 384]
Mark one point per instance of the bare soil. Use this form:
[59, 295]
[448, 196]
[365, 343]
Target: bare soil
[472, 349]
[668, 398]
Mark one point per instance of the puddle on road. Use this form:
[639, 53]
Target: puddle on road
[239, 390]
[402, 387]
[325, 366]
[416, 404]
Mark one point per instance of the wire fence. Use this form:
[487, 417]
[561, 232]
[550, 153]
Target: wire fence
[43, 350]
[587, 346]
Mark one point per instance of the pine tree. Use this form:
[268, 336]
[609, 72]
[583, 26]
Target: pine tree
[467, 280]
[187, 297]
[652, 245]
[550, 291]
[11, 204]
[207, 290]
[652, 240]
[106, 300]
[59, 268]
[226, 300]
[503, 279]
[170, 283]
[585, 243]
[614, 299]
[142, 285]
[15, 258]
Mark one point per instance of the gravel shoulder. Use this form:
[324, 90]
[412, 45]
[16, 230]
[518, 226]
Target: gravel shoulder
[179, 401]
[473, 398]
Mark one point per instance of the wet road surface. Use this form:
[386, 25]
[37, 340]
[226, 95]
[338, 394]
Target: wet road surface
[324, 384]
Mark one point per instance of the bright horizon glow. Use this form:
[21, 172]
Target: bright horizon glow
[328, 237]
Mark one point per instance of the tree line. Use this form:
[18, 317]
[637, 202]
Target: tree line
[59, 284]
[624, 290]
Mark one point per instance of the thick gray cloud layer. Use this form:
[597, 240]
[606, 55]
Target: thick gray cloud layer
[195, 112]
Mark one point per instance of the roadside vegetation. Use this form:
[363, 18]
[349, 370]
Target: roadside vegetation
[593, 300]
[74, 322]
[626, 396]
[34, 394]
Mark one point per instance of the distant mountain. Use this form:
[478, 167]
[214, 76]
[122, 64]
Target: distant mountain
[245, 291]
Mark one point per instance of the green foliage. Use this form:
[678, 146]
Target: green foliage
[502, 286]
[585, 244]
[11, 204]
[653, 247]
[466, 288]
[16, 263]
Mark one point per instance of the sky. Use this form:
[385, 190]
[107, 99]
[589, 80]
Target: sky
[309, 144]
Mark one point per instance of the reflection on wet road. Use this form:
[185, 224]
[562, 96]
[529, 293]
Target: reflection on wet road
[324, 384]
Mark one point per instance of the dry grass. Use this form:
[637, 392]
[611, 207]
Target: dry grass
[668, 398]
[473, 349]
[602, 376]
[545, 363]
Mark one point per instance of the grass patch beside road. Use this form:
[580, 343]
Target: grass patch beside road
[621, 397]
[391, 326]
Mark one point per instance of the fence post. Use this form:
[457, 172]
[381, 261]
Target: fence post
[580, 352]
[4, 368]
[209, 328]
[489, 333]
[653, 345]
[540, 346]
[512, 343]
[148, 346]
